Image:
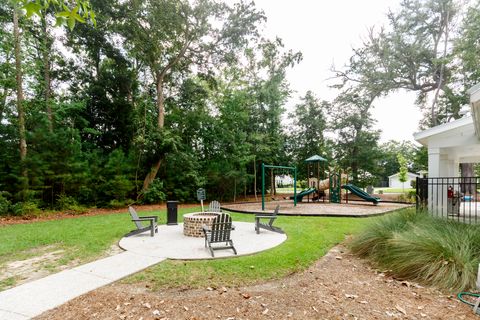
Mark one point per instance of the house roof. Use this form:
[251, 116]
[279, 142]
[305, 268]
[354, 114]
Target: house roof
[460, 124]
[424, 135]
[408, 174]
[474, 93]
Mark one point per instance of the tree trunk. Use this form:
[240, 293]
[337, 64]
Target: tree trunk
[19, 82]
[255, 177]
[245, 189]
[46, 72]
[151, 175]
[161, 122]
[442, 71]
[467, 183]
[234, 190]
[160, 101]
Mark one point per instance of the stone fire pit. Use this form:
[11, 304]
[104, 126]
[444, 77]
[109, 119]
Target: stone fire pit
[193, 223]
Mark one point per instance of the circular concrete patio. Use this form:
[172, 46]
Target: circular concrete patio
[170, 243]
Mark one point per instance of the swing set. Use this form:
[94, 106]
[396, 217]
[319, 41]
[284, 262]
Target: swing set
[294, 169]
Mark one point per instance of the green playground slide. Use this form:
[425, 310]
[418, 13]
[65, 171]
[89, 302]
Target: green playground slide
[359, 192]
[303, 194]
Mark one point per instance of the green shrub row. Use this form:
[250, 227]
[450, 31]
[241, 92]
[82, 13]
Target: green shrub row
[418, 247]
[31, 207]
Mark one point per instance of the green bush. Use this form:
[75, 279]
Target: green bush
[373, 242]
[407, 197]
[4, 205]
[117, 204]
[413, 183]
[69, 205]
[27, 208]
[418, 247]
[155, 193]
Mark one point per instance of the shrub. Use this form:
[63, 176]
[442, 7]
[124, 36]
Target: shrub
[27, 208]
[116, 204]
[69, 205]
[421, 248]
[373, 241]
[4, 205]
[413, 183]
[439, 253]
[154, 193]
[407, 197]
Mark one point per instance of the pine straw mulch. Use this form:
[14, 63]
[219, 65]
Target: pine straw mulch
[338, 286]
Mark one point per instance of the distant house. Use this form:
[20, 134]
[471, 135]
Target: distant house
[283, 180]
[394, 182]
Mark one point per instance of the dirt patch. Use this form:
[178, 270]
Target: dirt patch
[44, 262]
[338, 286]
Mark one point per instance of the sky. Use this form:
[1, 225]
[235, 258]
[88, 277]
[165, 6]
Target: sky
[325, 32]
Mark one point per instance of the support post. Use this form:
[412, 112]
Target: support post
[263, 187]
[295, 187]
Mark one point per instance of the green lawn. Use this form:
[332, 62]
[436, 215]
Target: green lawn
[287, 190]
[81, 239]
[394, 190]
[86, 238]
[309, 238]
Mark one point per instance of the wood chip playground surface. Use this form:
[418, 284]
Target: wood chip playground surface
[350, 209]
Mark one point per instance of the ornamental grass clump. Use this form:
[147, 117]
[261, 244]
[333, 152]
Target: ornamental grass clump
[424, 249]
[373, 242]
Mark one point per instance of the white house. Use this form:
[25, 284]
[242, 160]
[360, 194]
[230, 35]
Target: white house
[394, 182]
[283, 180]
[450, 144]
[455, 142]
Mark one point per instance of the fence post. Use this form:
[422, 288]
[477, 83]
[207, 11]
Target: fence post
[417, 197]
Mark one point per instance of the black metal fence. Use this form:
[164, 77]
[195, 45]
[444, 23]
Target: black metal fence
[453, 198]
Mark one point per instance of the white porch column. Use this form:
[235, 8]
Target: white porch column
[446, 166]
[433, 162]
[439, 165]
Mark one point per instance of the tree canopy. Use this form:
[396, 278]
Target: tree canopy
[108, 102]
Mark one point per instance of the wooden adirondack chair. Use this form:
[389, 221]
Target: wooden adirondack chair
[219, 233]
[268, 225]
[214, 206]
[152, 220]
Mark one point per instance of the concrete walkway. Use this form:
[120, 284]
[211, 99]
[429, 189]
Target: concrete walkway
[142, 251]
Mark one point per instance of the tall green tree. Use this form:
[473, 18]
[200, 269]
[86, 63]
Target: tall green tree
[169, 36]
[307, 136]
[20, 95]
[356, 147]
[411, 53]
[403, 170]
[389, 160]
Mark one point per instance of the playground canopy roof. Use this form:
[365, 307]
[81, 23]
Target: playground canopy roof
[315, 158]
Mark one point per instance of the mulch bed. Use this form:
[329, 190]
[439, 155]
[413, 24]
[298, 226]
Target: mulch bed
[338, 286]
[7, 220]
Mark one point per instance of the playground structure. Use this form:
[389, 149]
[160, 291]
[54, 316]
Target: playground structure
[318, 183]
[316, 172]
